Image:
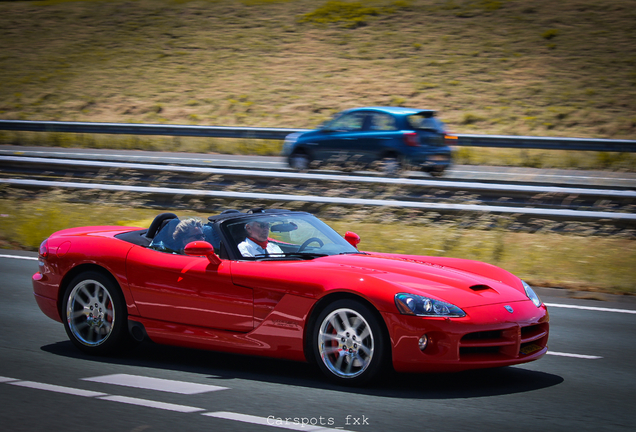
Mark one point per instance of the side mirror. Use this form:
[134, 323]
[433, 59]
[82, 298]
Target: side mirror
[202, 248]
[352, 238]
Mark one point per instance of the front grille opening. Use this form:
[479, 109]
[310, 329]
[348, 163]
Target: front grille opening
[529, 330]
[467, 351]
[493, 334]
[537, 333]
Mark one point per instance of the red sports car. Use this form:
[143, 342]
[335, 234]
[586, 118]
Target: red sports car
[283, 284]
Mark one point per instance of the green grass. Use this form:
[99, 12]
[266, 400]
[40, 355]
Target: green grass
[573, 261]
[490, 67]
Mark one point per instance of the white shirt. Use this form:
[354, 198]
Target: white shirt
[249, 249]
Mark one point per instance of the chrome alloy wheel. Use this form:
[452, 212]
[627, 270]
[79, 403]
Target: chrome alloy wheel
[345, 343]
[90, 313]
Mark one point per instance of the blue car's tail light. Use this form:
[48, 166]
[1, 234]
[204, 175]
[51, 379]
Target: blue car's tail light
[411, 139]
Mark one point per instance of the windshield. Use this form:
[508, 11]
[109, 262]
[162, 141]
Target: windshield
[297, 236]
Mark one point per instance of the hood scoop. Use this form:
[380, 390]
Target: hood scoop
[485, 291]
[480, 288]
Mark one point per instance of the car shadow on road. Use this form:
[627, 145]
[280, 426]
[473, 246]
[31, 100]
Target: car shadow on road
[219, 367]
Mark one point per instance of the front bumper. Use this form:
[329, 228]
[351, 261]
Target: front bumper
[45, 294]
[489, 336]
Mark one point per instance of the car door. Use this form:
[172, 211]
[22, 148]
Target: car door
[188, 290]
[382, 135]
[340, 139]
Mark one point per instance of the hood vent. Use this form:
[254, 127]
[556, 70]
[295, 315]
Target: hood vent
[480, 287]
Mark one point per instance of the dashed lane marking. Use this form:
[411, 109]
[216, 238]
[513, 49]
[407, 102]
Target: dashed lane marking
[151, 404]
[57, 389]
[581, 356]
[158, 384]
[297, 424]
[6, 380]
[300, 424]
[19, 257]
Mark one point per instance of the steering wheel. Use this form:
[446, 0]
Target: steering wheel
[308, 242]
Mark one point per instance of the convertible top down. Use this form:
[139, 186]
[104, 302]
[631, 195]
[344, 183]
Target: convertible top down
[283, 284]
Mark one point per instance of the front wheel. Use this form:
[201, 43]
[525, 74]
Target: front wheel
[348, 343]
[299, 161]
[94, 313]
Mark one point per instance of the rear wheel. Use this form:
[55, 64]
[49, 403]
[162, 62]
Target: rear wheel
[348, 343]
[94, 313]
[391, 166]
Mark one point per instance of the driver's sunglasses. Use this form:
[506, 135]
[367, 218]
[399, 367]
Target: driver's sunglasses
[261, 225]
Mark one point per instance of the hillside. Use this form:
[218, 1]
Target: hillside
[530, 67]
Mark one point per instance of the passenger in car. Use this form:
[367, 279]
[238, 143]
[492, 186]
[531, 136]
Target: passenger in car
[188, 230]
[257, 241]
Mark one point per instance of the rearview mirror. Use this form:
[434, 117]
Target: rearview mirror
[284, 227]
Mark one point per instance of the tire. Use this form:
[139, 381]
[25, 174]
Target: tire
[94, 314]
[299, 160]
[391, 166]
[349, 344]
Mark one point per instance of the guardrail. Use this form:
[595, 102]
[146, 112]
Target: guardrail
[501, 141]
[556, 214]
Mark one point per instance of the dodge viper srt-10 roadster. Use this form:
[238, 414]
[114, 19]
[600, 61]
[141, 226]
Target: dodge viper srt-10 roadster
[283, 284]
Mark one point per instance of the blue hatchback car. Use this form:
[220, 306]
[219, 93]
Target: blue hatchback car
[385, 138]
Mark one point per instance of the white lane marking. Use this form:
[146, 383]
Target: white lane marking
[19, 257]
[152, 404]
[271, 421]
[6, 380]
[57, 389]
[158, 384]
[592, 308]
[582, 356]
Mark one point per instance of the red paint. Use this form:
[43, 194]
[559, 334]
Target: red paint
[198, 300]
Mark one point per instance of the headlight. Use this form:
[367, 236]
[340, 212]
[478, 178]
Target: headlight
[532, 295]
[411, 304]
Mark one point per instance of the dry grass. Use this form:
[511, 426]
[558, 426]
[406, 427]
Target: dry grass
[514, 67]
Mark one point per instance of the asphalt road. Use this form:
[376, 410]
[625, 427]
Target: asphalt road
[586, 382]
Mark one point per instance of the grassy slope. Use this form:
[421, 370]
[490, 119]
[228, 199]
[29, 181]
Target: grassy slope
[516, 67]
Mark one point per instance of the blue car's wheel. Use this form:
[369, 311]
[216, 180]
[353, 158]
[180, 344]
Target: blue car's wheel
[299, 161]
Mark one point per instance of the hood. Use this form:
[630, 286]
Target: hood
[463, 283]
